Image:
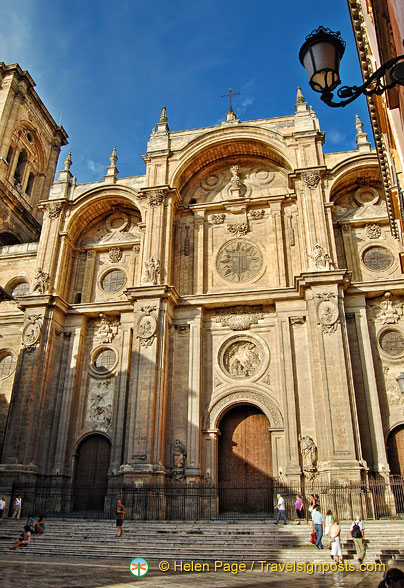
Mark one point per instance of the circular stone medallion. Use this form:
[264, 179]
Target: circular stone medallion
[242, 359]
[392, 342]
[378, 258]
[239, 260]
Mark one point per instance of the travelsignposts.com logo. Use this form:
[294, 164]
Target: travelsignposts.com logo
[138, 566]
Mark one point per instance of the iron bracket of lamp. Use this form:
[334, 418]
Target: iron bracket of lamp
[320, 55]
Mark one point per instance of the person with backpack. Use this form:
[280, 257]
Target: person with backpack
[358, 536]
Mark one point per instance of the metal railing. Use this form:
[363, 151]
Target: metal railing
[195, 501]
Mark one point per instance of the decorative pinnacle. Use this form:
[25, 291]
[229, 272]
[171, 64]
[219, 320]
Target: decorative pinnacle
[113, 157]
[362, 143]
[163, 116]
[68, 161]
[358, 124]
[299, 96]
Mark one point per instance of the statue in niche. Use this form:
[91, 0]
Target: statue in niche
[179, 460]
[390, 313]
[321, 258]
[151, 271]
[108, 328]
[309, 455]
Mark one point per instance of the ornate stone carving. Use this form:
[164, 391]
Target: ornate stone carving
[345, 228]
[242, 359]
[327, 312]
[136, 248]
[320, 259]
[267, 379]
[99, 405]
[373, 231]
[291, 233]
[41, 282]
[108, 328]
[239, 260]
[266, 404]
[256, 214]
[180, 454]
[309, 456]
[54, 209]
[311, 179]
[182, 330]
[90, 254]
[147, 326]
[217, 219]
[389, 310]
[297, 321]
[186, 241]
[237, 229]
[394, 396]
[151, 271]
[240, 317]
[115, 254]
[218, 382]
[155, 198]
[32, 331]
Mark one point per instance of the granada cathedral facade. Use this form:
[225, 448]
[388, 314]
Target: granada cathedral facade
[232, 316]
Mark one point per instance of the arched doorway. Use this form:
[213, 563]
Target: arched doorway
[245, 461]
[395, 451]
[91, 475]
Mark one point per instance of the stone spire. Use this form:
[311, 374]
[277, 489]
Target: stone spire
[299, 96]
[112, 170]
[162, 125]
[68, 161]
[362, 143]
[305, 119]
[65, 176]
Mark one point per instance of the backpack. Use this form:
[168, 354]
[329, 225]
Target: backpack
[356, 531]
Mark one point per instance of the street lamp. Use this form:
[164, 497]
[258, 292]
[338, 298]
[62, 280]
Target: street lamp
[321, 54]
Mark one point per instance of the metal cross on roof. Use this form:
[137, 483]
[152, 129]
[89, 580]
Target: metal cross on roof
[230, 94]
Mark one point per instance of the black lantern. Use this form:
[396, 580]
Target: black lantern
[321, 54]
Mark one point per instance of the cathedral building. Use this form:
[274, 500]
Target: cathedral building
[232, 316]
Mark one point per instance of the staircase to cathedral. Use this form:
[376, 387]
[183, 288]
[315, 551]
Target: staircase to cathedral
[202, 541]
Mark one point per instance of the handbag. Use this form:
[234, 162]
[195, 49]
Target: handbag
[313, 537]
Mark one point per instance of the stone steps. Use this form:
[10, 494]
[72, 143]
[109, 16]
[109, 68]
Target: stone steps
[199, 541]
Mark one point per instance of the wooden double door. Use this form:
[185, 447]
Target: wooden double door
[245, 461]
[91, 475]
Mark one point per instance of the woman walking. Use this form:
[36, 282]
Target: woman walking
[334, 535]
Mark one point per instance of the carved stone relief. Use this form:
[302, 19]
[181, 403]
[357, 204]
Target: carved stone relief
[217, 219]
[108, 328]
[180, 453]
[388, 309]
[394, 396]
[240, 317]
[263, 401]
[147, 326]
[155, 198]
[151, 271]
[54, 209]
[311, 179]
[182, 330]
[256, 214]
[239, 260]
[373, 231]
[32, 331]
[237, 229]
[308, 450]
[115, 254]
[41, 282]
[297, 321]
[321, 260]
[327, 312]
[99, 405]
[242, 359]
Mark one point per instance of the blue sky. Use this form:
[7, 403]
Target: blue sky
[106, 68]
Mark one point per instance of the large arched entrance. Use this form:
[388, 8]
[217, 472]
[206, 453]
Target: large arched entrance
[395, 451]
[245, 461]
[91, 475]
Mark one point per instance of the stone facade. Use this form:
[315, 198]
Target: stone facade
[246, 267]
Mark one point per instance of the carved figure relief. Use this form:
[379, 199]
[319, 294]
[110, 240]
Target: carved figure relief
[240, 317]
[151, 271]
[327, 312]
[239, 260]
[155, 198]
[147, 326]
[389, 310]
[108, 328]
[41, 282]
[394, 396]
[32, 331]
[99, 405]
[309, 456]
[54, 209]
[180, 454]
[320, 259]
[242, 359]
[115, 254]
[118, 227]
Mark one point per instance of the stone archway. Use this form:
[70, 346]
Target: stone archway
[245, 461]
[395, 451]
[91, 473]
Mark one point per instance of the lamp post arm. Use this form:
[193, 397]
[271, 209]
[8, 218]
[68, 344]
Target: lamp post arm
[374, 85]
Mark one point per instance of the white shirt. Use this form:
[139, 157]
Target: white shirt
[17, 502]
[281, 503]
[360, 525]
[2, 504]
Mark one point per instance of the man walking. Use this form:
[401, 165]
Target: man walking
[17, 507]
[358, 536]
[120, 515]
[281, 510]
[318, 525]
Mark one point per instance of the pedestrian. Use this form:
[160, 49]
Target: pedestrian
[120, 515]
[17, 507]
[318, 526]
[299, 508]
[39, 525]
[281, 510]
[393, 578]
[358, 536]
[334, 534]
[25, 539]
[328, 519]
[2, 506]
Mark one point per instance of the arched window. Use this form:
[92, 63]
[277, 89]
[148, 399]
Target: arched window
[20, 167]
